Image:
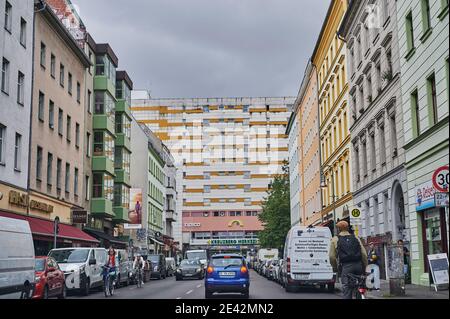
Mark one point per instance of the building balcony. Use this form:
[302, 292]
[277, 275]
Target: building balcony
[101, 207]
[121, 215]
[102, 164]
[102, 83]
[123, 107]
[122, 177]
[124, 141]
[170, 216]
[103, 122]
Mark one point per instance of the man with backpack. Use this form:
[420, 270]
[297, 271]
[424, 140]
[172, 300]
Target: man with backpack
[347, 256]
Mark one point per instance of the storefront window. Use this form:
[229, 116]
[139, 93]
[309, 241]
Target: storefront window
[435, 233]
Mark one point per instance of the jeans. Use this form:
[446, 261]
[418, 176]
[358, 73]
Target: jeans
[348, 288]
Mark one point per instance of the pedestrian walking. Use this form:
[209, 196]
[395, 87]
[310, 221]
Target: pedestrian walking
[348, 257]
[406, 254]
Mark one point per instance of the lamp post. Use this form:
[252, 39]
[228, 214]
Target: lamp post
[324, 185]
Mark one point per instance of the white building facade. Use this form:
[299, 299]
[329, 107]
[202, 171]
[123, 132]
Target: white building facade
[379, 175]
[424, 57]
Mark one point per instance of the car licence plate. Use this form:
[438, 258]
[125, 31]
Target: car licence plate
[226, 274]
[301, 276]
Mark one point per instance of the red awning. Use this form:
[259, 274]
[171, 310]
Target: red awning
[42, 227]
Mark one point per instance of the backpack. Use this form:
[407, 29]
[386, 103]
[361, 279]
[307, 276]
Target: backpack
[348, 249]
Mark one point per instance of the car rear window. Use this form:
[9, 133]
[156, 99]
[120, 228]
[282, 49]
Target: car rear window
[224, 262]
[40, 265]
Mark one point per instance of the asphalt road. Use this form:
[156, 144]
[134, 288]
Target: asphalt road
[260, 288]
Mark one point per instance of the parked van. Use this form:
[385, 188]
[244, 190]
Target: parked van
[82, 267]
[306, 256]
[124, 267]
[17, 264]
[268, 254]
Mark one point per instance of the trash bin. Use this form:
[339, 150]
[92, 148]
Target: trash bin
[396, 270]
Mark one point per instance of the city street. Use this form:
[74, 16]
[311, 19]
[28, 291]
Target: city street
[260, 288]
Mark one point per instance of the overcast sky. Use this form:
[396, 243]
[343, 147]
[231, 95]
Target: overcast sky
[209, 48]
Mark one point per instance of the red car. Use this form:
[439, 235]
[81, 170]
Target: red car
[50, 280]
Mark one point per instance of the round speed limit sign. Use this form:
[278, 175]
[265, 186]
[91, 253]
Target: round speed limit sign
[441, 179]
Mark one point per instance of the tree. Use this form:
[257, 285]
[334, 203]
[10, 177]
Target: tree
[276, 214]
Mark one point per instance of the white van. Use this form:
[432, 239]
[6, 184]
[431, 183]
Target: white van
[81, 266]
[17, 264]
[265, 254]
[307, 261]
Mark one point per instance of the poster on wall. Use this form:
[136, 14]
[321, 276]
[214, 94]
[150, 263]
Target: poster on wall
[135, 210]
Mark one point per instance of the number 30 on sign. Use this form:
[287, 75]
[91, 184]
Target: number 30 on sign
[441, 179]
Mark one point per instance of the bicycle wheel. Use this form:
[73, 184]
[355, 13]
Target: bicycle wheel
[111, 286]
[106, 287]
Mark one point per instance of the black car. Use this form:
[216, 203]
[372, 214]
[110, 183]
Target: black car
[190, 268]
[158, 266]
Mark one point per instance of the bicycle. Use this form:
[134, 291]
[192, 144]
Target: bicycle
[358, 283]
[108, 281]
[139, 278]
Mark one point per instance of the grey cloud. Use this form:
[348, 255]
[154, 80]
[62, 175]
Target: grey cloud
[209, 48]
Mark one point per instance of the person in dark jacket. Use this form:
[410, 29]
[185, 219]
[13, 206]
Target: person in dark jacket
[348, 255]
[372, 255]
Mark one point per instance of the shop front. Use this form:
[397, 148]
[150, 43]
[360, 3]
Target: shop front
[432, 230]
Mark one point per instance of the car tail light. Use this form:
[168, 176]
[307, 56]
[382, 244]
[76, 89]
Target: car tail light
[210, 270]
[244, 270]
[362, 291]
[288, 265]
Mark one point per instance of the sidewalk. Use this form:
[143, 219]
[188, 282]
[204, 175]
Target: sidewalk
[412, 292]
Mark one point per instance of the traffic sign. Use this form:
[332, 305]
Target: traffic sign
[356, 213]
[441, 179]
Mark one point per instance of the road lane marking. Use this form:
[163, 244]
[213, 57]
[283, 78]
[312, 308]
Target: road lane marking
[189, 292]
[199, 286]
[178, 298]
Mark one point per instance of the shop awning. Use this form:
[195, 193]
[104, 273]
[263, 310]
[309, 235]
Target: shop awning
[44, 228]
[101, 235]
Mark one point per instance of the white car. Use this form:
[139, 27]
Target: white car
[17, 263]
[306, 258]
[82, 267]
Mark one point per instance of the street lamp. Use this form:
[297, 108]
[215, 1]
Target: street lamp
[323, 184]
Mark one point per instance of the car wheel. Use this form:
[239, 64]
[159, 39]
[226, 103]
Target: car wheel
[63, 294]
[86, 289]
[247, 294]
[289, 288]
[26, 292]
[208, 294]
[45, 293]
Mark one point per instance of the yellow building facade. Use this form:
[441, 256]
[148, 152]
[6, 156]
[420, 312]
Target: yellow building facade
[329, 58]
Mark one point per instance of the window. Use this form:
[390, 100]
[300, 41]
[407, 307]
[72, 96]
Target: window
[89, 102]
[432, 100]
[382, 144]
[53, 66]
[97, 187]
[88, 144]
[426, 16]
[39, 164]
[41, 106]
[69, 83]
[51, 114]
[49, 169]
[17, 151]
[393, 134]
[78, 92]
[8, 16]
[206, 189]
[61, 75]
[23, 32]
[409, 33]
[60, 122]
[69, 128]
[43, 54]
[373, 154]
[415, 114]
[87, 187]
[75, 182]
[77, 135]
[20, 88]
[2, 143]
[67, 180]
[5, 76]
[58, 174]
[364, 157]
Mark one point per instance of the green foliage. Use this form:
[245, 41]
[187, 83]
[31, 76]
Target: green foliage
[276, 214]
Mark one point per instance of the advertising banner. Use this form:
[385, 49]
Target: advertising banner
[135, 211]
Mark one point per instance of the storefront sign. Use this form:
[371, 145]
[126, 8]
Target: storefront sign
[425, 196]
[439, 268]
[232, 242]
[441, 199]
[192, 225]
[441, 179]
[22, 200]
[79, 217]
